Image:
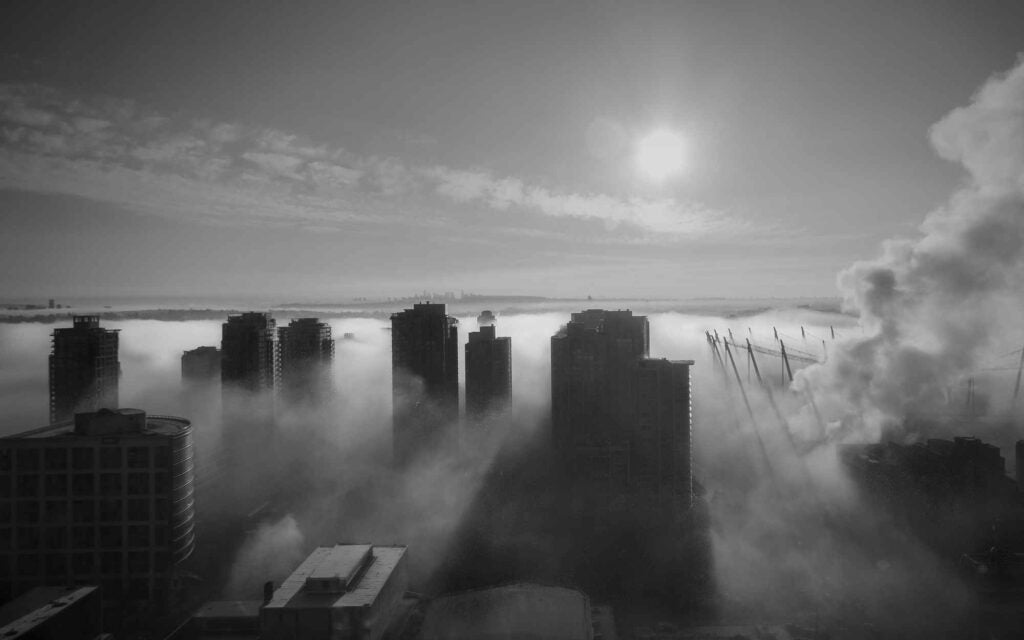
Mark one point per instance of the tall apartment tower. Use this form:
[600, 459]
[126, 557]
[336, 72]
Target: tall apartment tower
[84, 369]
[424, 378]
[249, 352]
[307, 355]
[620, 420]
[488, 372]
[201, 364]
[105, 499]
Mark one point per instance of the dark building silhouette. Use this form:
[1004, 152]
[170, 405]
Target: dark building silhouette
[424, 378]
[307, 355]
[249, 352]
[201, 364]
[488, 372]
[106, 499]
[485, 319]
[53, 613]
[620, 420]
[84, 369]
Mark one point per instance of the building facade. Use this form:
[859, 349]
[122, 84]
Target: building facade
[424, 378]
[249, 353]
[307, 358]
[106, 499]
[201, 365]
[84, 368]
[621, 422]
[488, 372]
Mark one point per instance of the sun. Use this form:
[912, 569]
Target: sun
[660, 155]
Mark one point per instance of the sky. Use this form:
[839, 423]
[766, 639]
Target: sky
[319, 151]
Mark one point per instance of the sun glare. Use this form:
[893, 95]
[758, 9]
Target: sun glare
[661, 155]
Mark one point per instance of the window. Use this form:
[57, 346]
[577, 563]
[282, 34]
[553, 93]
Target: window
[55, 512]
[110, 484]
[138, 536]
[56, 567]
[138, 484]
[138, 561]
[5, 512]
[27, 459]
[160, 484]
[5, 460]
[83, 484]
[5, 486]
[138, 457]
[81, 458]
[110, 457]
[110, 562]
[27, 486]
[27, 512]
[83, 537]
[111, 537]
[162, 457]
[55, 538]
[160, 506]
[83, 564]
[55, 459]
[111, 511]
[83, 511]
[28, 564]
[138, 509]
[5, 539]
[28, 538]
[56, 486]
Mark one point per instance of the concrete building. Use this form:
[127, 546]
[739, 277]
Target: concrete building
[344, 592]
[249, 353]
[307, 358]
[620, 420]
[488, 372]
[105, 499]
[424, 378]
[200, 365]
[53, 613]
[84, 369]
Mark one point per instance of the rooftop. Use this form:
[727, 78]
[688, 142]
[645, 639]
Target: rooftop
[19, 617]
[109, 422]
[339, 576]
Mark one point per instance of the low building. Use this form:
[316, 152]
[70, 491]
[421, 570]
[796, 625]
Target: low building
[350, 591]
[53, 613]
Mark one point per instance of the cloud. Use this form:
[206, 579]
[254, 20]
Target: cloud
[127, 154]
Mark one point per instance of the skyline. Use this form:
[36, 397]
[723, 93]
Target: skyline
[354, 150]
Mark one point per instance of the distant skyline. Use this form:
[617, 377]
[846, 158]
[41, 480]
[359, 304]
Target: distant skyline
[329, 150]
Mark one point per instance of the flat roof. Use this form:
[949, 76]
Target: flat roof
[293, 595]
[155, 425]
[229, 609]
[510, 612]
[44, 603]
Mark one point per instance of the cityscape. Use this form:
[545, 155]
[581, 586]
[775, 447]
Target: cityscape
[553, 321]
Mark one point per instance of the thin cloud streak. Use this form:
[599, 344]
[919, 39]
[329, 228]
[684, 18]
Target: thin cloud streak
[120, 152]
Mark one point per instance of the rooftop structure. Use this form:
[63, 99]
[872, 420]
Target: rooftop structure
[84, 369]
[510, 612]
[106, 499]
[486, 318]
[338, 593]
[424, 378]
[488, 372]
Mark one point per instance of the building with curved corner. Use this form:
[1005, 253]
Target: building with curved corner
[104, 499]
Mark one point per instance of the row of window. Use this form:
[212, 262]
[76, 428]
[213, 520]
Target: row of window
[84, 458]
[22, 539]
[106, 563]
[84, 484]
[84, 511]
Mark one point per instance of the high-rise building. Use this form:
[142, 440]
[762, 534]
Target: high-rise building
[84, 369]
[424, 378]
[105, 499]
[488, 372]
[249, 352]
[344, 592]
[307, 355]
[201, 364]
[620, 420]
[660, 456]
